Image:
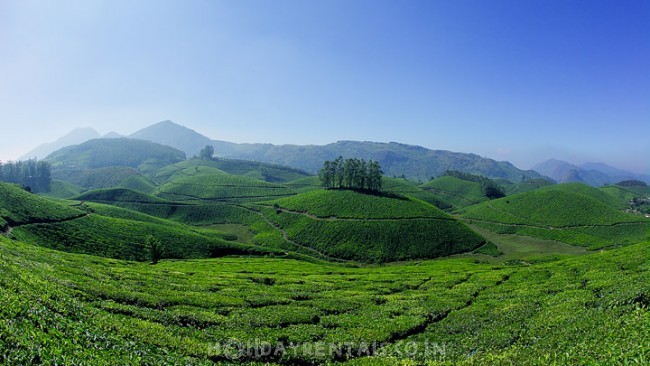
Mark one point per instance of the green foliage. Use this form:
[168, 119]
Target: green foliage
[350, 225]
[351, 174]
[108, 177]
[155, 248]
[489, 249]
[31, 173]
[119, 195]
[632, 183]
[489, 188]
[63, 189]
[559, 215]
[252, 169]
[457, 192]
[77, 309]
[351, 204]
[207, 152]
[20, 207]
[221, 187]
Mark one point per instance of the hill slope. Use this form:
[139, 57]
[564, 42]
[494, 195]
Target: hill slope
[556, 214]
[350, 225]
[122, 152]
[77, 309]
[55, 224]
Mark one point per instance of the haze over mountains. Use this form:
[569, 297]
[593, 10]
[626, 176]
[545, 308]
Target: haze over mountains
[397, 159]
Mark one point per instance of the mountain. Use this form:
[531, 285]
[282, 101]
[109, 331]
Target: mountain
[74, 137]
[114, 152]
[112, 135]
[396, 159]
[594, 174]
[174, 135]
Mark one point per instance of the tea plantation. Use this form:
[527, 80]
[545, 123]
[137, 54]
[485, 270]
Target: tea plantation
[61, 308]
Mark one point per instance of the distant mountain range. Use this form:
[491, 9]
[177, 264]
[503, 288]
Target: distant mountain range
[396, 159]
[593, 174]
[74, 137]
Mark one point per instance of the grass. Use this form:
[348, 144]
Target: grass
[79, 309]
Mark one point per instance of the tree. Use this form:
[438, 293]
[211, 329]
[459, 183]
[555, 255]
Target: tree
[207, 152]
[155, 249]
[351, 174]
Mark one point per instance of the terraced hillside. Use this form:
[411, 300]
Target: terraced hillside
[77, 309]
[110, 232]
[351, 225]
[221, 188]
[561, 215]
[251, 169]
[457, 192]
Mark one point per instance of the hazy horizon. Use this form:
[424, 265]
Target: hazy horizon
[517, 81]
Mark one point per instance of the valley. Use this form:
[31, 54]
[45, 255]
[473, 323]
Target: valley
[261, 265]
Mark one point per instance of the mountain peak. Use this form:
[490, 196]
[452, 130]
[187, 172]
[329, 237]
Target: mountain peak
[76, 136]
[170, 133]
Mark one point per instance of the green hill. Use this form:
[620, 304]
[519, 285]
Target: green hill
[251, 169]
[350, 225]
[525, 186]
[18, 207]
[221, 187]
[102, 153]
[108, 177]
[110, 195]
[561, 215]
[457, 192]
[63, 189]
[410, 188]
[306, 184]
[81, 229]
[586, 190]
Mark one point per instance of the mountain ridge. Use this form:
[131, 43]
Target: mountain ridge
[396, 159]
[591, 173]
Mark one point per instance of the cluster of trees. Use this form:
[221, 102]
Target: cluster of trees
[632, 183]
[34, 175]
[351, 174]
[207, 152]
[490, 189]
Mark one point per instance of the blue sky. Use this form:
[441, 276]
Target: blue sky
[513, 80]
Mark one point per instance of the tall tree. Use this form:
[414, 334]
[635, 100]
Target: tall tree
[207, 152]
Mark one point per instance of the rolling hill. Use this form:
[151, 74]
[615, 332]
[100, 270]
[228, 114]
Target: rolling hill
[221, 188]
[562, 215]
[74, 227]
[457, 192]
[346, 224]
[113, 152]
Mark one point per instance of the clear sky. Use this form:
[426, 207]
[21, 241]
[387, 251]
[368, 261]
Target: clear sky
[513, 80]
